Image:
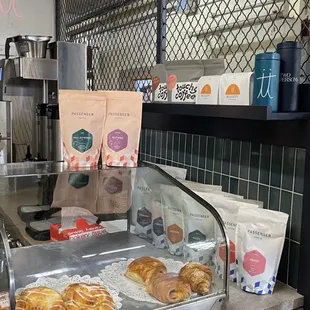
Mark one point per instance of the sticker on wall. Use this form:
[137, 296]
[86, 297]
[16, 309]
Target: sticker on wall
[10, 8]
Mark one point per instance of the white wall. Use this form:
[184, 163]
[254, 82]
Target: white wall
[35, 17]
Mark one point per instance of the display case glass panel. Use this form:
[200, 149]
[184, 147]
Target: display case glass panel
[87, 226]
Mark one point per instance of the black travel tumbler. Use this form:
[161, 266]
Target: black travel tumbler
[290, 55]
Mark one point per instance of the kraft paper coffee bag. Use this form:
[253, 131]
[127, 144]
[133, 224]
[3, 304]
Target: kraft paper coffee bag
[76, 190]
[114, 191]
[82, 117]
[122, 128]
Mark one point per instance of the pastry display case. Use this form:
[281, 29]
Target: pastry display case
[113, 238]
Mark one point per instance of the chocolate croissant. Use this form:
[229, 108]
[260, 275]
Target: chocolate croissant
[169, 288]
[198, 276]
[143, 269]
[83, 296]
[41, 298]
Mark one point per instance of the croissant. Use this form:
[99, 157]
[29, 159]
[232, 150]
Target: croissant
[82, 296]
[41, 298]
[198, 276]
[143, 269]
[169, 288]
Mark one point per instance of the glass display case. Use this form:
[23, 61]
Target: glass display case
[130, 231]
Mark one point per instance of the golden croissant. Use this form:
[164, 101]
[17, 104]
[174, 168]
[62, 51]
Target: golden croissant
[41, 298]
[143, 269]
[169, 288]
[198, 276]
[83, 296]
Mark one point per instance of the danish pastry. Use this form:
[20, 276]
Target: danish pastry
[143, 269]
[169, 288]
[41, 298]
[83, 296]
[198, 276]
[4, 301]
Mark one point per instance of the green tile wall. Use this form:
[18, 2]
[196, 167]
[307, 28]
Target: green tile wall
[267, 173]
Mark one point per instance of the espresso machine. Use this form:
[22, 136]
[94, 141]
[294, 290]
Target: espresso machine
[29, 86]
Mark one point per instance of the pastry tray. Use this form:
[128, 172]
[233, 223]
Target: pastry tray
[89, 257]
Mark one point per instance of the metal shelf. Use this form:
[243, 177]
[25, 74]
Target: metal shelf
[263, 113]
[243, 123]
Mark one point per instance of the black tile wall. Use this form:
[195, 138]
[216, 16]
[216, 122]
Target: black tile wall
[271, 174]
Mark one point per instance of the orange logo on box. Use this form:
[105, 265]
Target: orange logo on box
[155, 82]
[175, 234]
[172, 82]
[206, 90]
[232, 89]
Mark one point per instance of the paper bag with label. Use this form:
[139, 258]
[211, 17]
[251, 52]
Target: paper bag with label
[82, 117]
[183, 76]
[208, 89]
[114, 191]
[76, 189]
[159, 83]
[236, 89]
[122, 128]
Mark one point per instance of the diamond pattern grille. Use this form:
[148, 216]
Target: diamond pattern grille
[125, 43]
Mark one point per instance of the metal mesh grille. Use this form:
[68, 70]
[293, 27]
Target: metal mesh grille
[128, 36]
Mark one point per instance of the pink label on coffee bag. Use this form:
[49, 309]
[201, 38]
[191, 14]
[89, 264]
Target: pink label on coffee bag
[254, 263]
[117, 140]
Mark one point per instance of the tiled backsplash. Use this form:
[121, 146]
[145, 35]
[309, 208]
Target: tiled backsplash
[267, 173]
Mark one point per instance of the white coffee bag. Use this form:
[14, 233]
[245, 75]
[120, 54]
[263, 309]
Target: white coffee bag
[172, 203]
[260, 238]
[158, 219]
[236, 89]
[176, 172]
[199, 187]
[228, 208]
[142, 207]
[199, 231]
[208, 89]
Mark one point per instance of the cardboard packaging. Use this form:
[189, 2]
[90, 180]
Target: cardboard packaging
[83, 230]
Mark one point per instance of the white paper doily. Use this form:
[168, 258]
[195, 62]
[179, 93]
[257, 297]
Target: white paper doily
[60, 284]
[114, 276]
